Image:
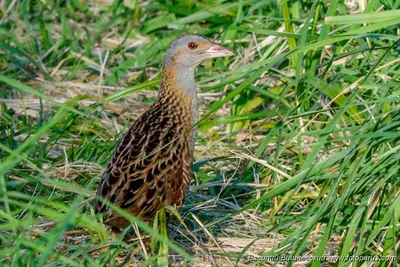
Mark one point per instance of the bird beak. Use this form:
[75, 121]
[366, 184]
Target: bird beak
[218, 51]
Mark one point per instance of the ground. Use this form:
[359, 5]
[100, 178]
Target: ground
[297, 146]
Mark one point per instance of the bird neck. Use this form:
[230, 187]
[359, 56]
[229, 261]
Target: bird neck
[176, 80]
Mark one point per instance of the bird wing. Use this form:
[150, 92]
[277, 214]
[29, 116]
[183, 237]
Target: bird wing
[151, 166]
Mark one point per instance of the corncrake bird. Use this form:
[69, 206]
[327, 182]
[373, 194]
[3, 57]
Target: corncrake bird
[151, 166]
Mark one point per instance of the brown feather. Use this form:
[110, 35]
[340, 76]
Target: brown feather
[151, 166]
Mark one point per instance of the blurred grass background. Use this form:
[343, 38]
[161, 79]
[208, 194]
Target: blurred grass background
[298, 145]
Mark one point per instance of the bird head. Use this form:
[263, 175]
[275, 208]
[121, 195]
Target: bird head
[192, 49]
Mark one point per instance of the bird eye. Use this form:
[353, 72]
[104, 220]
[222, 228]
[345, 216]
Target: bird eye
[192, 45]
